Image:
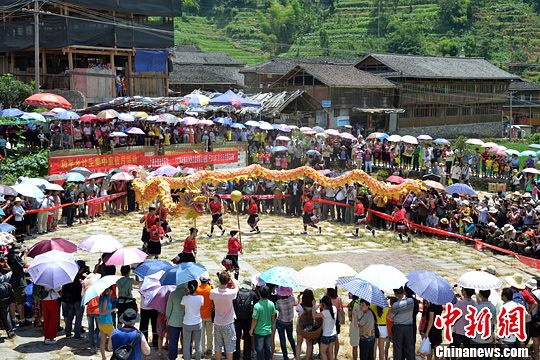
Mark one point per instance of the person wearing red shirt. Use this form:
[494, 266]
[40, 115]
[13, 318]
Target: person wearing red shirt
[163, 213]
[253, 219]
[148, 219]
[216, 207]
[156, 235]
[360, 218]
[190, 248]
[399, 222]
[234, 247]
[308, 218]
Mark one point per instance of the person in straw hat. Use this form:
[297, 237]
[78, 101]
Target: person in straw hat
[18, 216]
[517, 284]
[128, 334]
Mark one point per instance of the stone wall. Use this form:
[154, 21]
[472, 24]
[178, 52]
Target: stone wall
[477, 130]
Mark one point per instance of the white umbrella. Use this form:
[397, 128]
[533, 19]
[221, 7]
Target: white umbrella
[489, 145]
[100, 243]
[135, 131]
[348, 136]
[385, 277]
[424, 137]
[35, 181]
[263, 125]
[53, 269]
[502, 147]
[479, 280]
[118, 134]
[189, 121]
[311, 277]
[394, 138]
[29, 190]
[474, 142]
[252, 123]
[205, 122]
[97, 175]
[54, 187]
[332, 132]
[336, 269]
[531, 171]
[409, 139]
[283, 138]
[126, 117]
[511, 152]
[375, 135]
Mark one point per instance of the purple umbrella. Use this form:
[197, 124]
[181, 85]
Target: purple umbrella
[51, 244]
[157, 298]
[166, 170]
[53, 269]
[135, 131]
[126, 256]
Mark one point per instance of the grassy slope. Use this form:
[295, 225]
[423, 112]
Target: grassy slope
[512, 23]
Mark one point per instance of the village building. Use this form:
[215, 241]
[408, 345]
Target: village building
[523, 102]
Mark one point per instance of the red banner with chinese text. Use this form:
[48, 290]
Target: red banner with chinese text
[62, 164]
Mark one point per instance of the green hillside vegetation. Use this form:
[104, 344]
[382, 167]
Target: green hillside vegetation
[507, 32]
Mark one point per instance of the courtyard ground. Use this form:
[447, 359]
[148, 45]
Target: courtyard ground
[280, 243]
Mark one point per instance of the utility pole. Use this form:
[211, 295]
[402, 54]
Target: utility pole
[36, 45]
[511, 93]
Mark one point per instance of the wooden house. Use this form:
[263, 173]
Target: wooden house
[450, 91]
[349, 96]
[100, 48]
[525, 103]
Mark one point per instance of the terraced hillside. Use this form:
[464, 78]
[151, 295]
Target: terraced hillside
[504, 31]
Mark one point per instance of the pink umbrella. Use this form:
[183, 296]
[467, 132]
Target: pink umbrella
[347, 136]
[100, 243]
[157, 298]
[88, 118]
[205, 122]
[190, 121]
[122, 176]
[129, 168]
[126, 256]
[51, 244]
[396, 179]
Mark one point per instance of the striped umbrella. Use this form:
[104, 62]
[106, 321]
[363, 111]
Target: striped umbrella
[364, 290]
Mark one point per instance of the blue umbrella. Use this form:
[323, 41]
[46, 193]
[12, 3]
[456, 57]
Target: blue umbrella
[441, 141]
[182, 273]
[223, 121]
[34, 116]
[11, 112]
[74, 177]
[313, 152]
[460, 189]
[280, 275]
[6, 227]
[279, 148]
[67, 115]
[431, 287]
[535, 146]
[238, 126]
[149, 267]
[364, 290]
[99, 287]
[527, 153]
[229, 97]
[383, 136]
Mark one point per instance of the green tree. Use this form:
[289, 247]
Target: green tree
[449, 47]
[13, 92]
[191, 6]
[406, 38]
[324, 42]
[379, 18]
[453, 14]
[280, 21]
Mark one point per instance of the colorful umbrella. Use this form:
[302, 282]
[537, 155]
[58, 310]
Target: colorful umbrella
[48, 101]
[135, 131]
[29, 190]
[97, 288]
[460, 189]
[384, 277]
[197, 100]
[107, 114]
[51, 244]
[375, 135]
[479, 280]
[166, 170]
[126, 256]
[67, 115]
[280, 275]
[395, 179]
[7, 228]
[182, 273]
[11, 112]
[122, 176]
[364, 290]
[6, 238]
[157, 298]
[74, 177]
[431, 286]
[53, 269]
[100, 243]
[139, 114]
[88, 118]
[7, 190]
[34, 116]
[149, 267]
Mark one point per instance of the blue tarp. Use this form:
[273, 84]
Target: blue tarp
[229, 96]
[151, 60]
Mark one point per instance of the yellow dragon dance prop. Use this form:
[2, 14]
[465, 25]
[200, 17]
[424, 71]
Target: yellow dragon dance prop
[160, 187]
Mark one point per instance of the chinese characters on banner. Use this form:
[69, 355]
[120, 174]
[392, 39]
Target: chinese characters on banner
[62, 164]
[510, 322]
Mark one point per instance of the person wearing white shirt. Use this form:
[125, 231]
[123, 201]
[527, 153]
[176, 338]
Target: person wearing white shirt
[42, 215]
[192, 328]
[329, 332]
[341, 196]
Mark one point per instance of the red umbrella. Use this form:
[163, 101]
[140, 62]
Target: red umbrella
[88, 118]
[396, 179]
[51, 244]
[48, 100]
